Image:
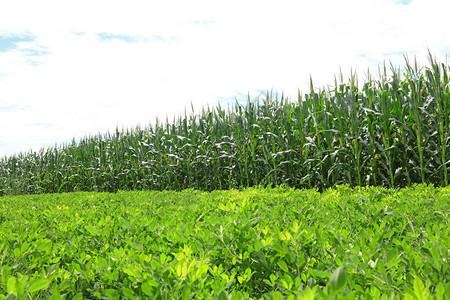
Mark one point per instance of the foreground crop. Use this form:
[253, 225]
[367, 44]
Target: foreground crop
[394, 132]
[255, 243]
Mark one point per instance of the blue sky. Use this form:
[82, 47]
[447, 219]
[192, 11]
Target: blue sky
[74, 68]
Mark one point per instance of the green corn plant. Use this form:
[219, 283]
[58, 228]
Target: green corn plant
[386, 104]
[346, 125]
[438, 87]
[415, 83]
[368, 98]
[398, 121]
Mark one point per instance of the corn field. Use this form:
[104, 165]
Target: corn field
[391, 132]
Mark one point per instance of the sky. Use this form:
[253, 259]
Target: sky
[70, 69]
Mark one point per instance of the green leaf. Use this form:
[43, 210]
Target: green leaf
[102, 261]
[111, 293]
[284, 284]
[440, 291]
[409, 297]
[282, 264]
[436, 257]
[316, 273]
[128, 293]
[38, 285]
[151, 282]
[24, 247]
[420, 290]
[268, 282]
[223, 296]
[20, 288]
[186, 292]
[133, 271]
[298, 281]
[273, 278]
[17, 252]
[203, 269]
[155, 264]
[56, 295]
[309, 294]
[277, 296]
[147, 289]
[338, 280]
[162, 258]
[11, 286]
[78, 296]
[64, 285]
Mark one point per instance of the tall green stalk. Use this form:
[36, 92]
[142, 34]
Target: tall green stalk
[438, 86]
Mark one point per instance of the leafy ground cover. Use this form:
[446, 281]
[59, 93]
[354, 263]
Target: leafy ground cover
[367, 242]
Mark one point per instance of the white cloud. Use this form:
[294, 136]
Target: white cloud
[168, 54]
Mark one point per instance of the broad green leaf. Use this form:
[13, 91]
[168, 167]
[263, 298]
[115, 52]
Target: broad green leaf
[337, 280]
[38, 285]
[186, 292]
[277, 296]
[133, 271]
[203, 269]
[111, 293]
[273, 277]
[78, 296]
[440, 291]
[420, 290]
[147, 289]
[288, 280]
[24, 247]
[5, 272]
[436, 257]
[64, 285]
[309, 294]
[268, 282]
[128, 293]
[155, 264]
[11, 286]
[17, 252]
[56, 295]
[408, 296]
[20, 288]
[284, 284]
[102, 261]
[282, 264]
[223, 296]
[298, 281]
[151, 282]
[162, 258]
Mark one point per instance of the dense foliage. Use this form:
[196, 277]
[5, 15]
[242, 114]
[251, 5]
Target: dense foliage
[393, 132]
[344, 243]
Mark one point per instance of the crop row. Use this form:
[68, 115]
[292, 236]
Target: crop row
[393, 132]
[344, 243]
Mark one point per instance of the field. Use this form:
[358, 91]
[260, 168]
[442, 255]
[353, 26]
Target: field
[342, 194]
[344, 243]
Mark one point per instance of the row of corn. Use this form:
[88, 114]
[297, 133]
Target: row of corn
[392, 131]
